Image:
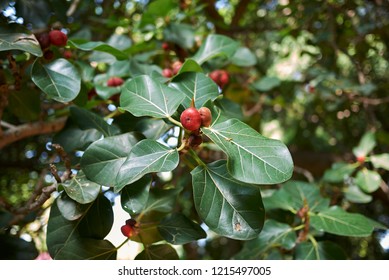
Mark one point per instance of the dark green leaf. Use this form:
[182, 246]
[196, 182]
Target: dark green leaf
[134, 196]
[59, 79]
[25, 104]
[146, 156]
[323, 250]
[66, 241]
[87, 249]
[158, 252]
[86, 120]
[81, 189]
[229, 207]
[103, 159]
[98, 220]
[152, 128]
[70, 209]
[20, 41]
[177, 229]
[337, 221]
[181, 34]
[66, 138]
[144, 96]
[216, 45]
[274, 234]
[293, 195]
[99, 46]
[252, 158]
[197, 86]
[15, 248]
[161, 200]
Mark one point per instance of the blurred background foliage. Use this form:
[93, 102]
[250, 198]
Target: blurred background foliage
[318, 80]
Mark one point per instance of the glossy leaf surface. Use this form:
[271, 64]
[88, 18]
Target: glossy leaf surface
[229, 207]
[252, 158]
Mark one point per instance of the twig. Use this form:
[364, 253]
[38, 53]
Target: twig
[305, 173]
[31, 129]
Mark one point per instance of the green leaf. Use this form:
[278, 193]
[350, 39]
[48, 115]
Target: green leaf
[87, 249]
[293, 195]
[380, 161]
[161, 200]
[134, 196]
[216, 45]
[25, 104]
[86, 120]
[181, 34]
[156, 9]
[337, 221]
[75, 239]
[152, 128]
[158, 252]
[274, 234]
[59, 79]
[99, 46]
[197, 86]
[366, 145]
[190, 65]
[103, 159]
[252, 158]
[98, 220]
[20, 41]
[231, 109]
[16, 248]
[369, 181]
[323, 250]
[81, 189]
[354, 194]
[177, 229]
[70, 209]
[146, 156]
[339, 172]
[229, 207]
[244, 57]
[84, 137]
[144, 96]
[266, 83]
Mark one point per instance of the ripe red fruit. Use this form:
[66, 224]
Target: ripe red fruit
[220, 77]
[361, 159]
[127, 230]
[190, 119]
[176, 66]
[92, 93]
[165, 46]
[206, 116]
[67, 54]
[44, 40]
[58, 38]
[167, 72]
[114, 82]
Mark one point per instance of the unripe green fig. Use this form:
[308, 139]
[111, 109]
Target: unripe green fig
[191, 119]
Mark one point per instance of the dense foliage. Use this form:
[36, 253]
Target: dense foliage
[287, 158]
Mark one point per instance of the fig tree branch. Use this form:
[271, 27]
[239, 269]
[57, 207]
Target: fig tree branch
[30, 129]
